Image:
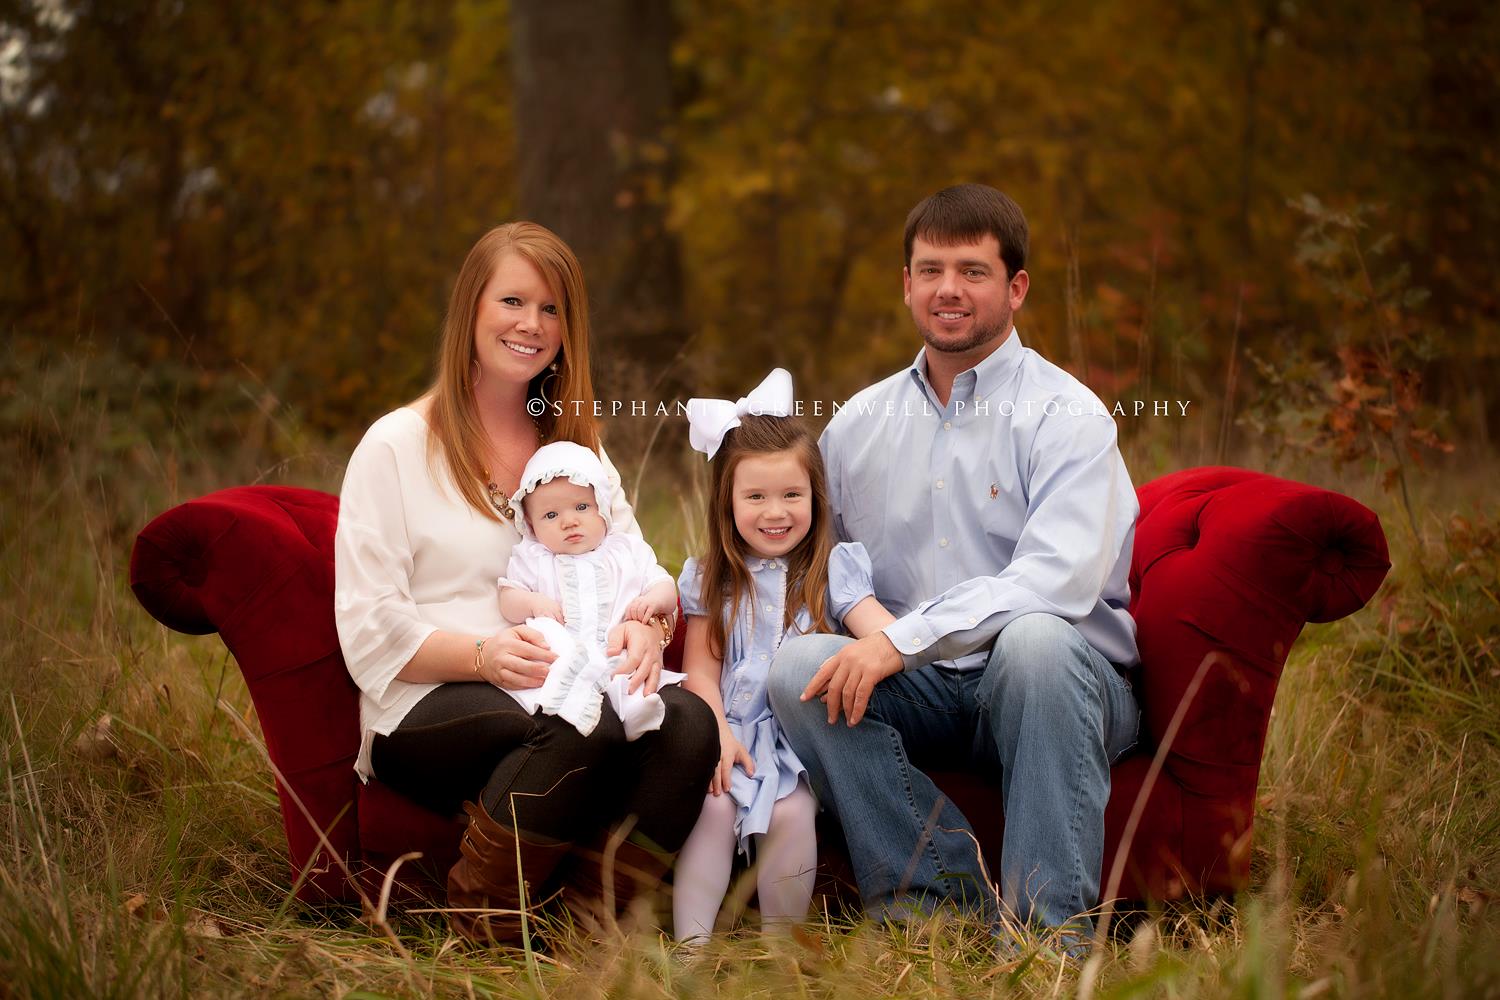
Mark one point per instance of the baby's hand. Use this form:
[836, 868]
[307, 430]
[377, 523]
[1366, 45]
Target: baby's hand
[545, 607]
[649, 604]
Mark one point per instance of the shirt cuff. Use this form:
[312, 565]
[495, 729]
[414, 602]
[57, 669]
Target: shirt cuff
[912, 636]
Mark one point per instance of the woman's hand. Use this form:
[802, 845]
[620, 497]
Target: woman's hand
[516, 658]
[641, 645]
[731, 752]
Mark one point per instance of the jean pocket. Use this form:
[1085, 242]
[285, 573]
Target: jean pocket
[1124, 730]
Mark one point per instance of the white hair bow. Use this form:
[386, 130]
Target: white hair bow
[710, 419]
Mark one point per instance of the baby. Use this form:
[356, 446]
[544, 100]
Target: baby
[576, 581]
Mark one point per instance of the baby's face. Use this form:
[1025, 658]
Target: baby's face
[565, 517]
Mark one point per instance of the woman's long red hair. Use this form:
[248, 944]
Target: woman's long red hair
[457, 435]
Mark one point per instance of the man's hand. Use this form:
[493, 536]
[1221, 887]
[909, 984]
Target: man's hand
[848, 677]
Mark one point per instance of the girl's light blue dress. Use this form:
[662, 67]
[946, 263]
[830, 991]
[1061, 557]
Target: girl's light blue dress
[750, 646]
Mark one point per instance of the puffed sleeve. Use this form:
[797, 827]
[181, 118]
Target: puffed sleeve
[850, 578]
[378, 625]
[521, 572]
[689, 589]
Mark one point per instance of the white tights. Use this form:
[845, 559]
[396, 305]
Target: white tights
[786, 863]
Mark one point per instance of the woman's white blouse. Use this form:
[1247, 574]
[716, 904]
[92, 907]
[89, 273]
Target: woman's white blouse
[411, 557]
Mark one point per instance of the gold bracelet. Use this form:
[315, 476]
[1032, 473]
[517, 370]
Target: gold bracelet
[667, 628]
[479, 653]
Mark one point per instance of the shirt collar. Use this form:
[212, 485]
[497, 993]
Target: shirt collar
[984, 378]
[756, 564]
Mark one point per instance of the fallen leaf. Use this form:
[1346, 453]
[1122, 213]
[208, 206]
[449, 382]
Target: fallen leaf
[200, 924]
[808, 940]
[96, 742]
[1477, 900]
[139, 906]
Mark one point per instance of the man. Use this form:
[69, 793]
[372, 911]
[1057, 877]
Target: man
[987, 486]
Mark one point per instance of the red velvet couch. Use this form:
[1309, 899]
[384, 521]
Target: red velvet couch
[1228, 566]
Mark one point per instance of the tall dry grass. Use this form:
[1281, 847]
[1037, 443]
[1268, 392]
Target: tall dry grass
[141, 848]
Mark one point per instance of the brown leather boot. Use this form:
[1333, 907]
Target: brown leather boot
[485, 886]
[606, 878]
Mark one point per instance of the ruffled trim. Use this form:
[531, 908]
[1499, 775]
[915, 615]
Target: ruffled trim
[567, 582]
[575, 575]
[575, 463]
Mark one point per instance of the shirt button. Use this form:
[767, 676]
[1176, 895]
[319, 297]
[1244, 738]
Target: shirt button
[762, 656]
[943, 542]
[947, 425]
[939, 484]
[769, 609]
[973, 621]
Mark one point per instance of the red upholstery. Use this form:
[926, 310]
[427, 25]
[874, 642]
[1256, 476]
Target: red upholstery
[1228, 564]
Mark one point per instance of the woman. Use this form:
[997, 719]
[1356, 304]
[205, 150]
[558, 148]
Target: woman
[424, 531]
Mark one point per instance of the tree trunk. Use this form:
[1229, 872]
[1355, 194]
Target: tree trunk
[593, 105]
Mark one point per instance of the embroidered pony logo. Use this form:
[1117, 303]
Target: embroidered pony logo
[994, 490]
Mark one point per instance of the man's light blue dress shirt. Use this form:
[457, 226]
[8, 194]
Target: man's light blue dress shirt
[1012, 499]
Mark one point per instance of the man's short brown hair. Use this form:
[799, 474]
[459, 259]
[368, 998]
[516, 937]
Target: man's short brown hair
[966, 213]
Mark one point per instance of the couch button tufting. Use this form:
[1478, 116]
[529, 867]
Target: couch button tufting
[193, 567]
[1331, 561]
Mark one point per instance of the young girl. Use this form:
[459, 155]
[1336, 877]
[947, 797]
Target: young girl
[771, 570]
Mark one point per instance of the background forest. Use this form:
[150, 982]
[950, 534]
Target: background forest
[227, 234]
[286, 190]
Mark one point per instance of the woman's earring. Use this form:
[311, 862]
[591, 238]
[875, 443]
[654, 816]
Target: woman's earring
[553, 374]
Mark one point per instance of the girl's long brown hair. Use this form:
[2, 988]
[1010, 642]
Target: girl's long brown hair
[726, 580]
[457, 434]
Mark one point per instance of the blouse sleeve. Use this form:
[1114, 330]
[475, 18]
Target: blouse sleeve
[378, 625]
[643, 557]
[621, 514]
[689, 589]
[850, 578]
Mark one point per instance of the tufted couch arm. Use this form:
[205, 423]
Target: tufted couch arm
[255, 564]
[1228, 566]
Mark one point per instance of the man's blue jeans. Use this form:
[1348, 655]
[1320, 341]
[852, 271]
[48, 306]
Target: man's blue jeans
[1048, 714]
